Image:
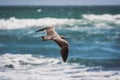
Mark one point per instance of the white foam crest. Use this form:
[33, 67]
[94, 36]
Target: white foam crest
[108, 18]
[104, 21]
[92, 22]
[14, 23]
[18, 60]
[39, 10]
[104, 17]
[54, 70]
[92, 19]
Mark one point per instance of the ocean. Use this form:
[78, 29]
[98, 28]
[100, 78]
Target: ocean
[93, 33]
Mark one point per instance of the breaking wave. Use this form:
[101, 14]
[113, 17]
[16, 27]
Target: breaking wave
[27, 67]
[105, 20]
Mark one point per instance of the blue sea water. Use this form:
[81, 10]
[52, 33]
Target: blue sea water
[93, 33]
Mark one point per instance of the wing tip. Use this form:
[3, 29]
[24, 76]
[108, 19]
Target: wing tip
[64, 60]
[64, 53]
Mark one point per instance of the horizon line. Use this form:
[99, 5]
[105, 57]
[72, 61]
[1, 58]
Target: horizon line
[60, 5]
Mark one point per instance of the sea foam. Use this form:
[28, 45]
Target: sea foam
[87, 19]
[27, 67]
[104, 17]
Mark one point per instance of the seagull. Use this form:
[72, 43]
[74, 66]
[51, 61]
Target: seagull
[59, 40]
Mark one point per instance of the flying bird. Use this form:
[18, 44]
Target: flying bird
[59, 40]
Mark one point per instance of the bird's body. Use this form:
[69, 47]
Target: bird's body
[62, 43]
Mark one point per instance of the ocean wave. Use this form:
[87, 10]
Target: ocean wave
[21, 67]
[18, 60]
[99, 21]
[14, 23]
[104, 17]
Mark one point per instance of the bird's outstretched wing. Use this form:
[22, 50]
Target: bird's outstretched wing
[40, 29]
[64, 53]
[60, 40]
[49, 30]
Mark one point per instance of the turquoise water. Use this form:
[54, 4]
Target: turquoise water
[36, 12]
[93, 33]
